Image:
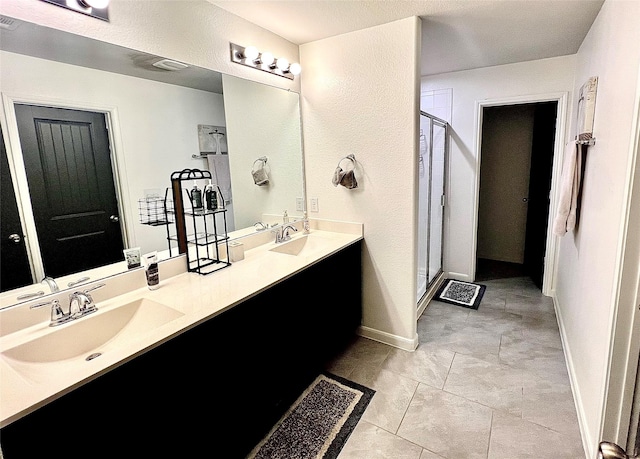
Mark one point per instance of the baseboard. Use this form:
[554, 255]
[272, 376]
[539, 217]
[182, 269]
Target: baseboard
[459, 276]
[388, 338]
[587, 442]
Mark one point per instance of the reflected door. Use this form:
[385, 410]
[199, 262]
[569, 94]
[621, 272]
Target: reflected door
[72, 188]
[15, 268]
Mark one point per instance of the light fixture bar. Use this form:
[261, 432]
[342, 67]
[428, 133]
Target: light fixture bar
[266, 64]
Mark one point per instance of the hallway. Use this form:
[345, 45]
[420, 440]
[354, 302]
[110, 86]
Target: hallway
[490, 383]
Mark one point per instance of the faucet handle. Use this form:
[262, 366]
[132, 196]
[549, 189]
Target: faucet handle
[58, 316]
[81, 303]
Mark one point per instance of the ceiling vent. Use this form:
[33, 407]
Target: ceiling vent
[168, 64]
[8, 23]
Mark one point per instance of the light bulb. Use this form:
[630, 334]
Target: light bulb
[295, 69]
[99, 4]
[267, 58]
[251, 53]
[282, 64]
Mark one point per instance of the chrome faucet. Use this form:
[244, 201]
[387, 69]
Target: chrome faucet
[80, 304]
[51, 283]
[282, 233]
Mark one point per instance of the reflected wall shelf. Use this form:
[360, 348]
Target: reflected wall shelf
[201, 234]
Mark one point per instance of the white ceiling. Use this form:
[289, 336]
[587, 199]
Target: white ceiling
[456, 34]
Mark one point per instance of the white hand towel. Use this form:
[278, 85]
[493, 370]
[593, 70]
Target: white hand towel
[221, 173]
[569, 187]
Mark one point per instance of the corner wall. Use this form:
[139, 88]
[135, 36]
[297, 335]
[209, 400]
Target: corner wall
[360, 95]
[590, 258]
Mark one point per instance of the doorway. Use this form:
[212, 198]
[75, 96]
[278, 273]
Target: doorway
[517, 157]
[70, 176]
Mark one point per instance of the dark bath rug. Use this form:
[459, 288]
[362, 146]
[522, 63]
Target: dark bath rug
[319, 423]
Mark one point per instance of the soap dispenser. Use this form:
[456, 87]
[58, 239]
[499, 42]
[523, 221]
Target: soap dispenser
[210, 196]
[196, 197]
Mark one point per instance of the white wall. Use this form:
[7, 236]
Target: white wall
[194, 31]
[263, 121]
[155, 124]
[501, 82]
[361, 95]
[590, 257]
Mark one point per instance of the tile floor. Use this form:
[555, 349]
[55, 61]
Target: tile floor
[489, 383]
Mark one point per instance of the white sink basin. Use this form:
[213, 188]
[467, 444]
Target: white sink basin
[292, 247]
[95, 333]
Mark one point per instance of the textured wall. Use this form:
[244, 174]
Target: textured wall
[360, 95]
[589, 257]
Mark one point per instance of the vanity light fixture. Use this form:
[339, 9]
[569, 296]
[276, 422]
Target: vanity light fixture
[98, 9]
[265, 61]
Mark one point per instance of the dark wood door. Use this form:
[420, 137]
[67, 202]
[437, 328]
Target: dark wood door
[71, 184]
[14, 269]
[544, 132]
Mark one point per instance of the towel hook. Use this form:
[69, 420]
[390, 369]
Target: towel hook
[260, 175]
[346, 178]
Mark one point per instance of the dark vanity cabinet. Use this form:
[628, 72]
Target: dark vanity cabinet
[214, 390]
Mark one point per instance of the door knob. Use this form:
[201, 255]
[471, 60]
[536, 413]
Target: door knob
[15, 238]
[114, 218]
[609, 450]
[525, 199]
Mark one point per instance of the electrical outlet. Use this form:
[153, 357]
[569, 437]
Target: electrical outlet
[299, 204]
[314, 204]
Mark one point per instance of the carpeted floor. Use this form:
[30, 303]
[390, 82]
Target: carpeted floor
[319, 423]
[492, 269]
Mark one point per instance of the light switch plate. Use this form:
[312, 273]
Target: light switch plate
[314, 204]
[299, 204]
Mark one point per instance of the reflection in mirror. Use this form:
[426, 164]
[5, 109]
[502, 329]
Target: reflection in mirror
[152, 117]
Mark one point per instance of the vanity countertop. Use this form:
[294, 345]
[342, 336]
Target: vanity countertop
[25, 387]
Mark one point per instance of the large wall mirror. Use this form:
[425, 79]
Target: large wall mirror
[157, 119]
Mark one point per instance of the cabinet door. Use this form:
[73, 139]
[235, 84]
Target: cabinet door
[218, 387]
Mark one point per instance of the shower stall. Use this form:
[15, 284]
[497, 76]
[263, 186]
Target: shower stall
[431, 200]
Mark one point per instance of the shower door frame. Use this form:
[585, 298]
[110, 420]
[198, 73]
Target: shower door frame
[434, 120]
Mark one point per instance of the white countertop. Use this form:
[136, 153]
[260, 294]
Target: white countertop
[24, 387]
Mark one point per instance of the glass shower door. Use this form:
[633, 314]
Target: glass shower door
[431, 183]
[424, 189]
